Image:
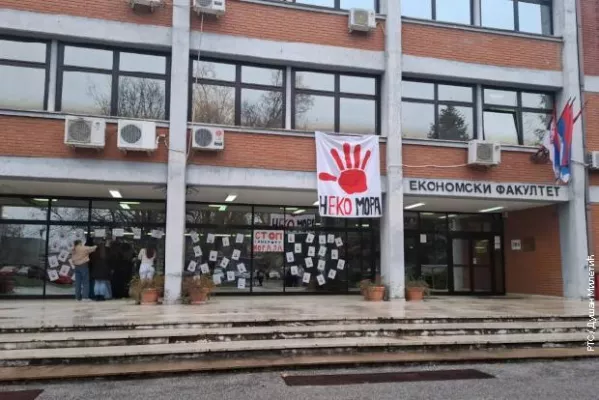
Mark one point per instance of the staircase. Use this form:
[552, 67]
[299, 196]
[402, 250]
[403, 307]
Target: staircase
[92, 351]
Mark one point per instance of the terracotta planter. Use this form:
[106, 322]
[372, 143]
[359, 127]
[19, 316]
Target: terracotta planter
[199, 296]
[414, 294]
[376, 293]
[364, 292]
[149, 296]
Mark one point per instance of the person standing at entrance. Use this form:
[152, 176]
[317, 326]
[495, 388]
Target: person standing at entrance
[147, 255]
[80, 259]
[101, 273]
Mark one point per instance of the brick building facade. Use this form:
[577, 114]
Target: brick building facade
[271, 73]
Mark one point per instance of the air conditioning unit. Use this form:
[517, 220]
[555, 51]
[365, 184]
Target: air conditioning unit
[137, 136]
[361, 20]
[85, 132]
[483, 153]
[207, 138]
[214, 7]
[594, 164]
[151, 4]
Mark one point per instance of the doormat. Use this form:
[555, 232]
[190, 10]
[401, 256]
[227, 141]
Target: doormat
[20, 395]
[387, 377]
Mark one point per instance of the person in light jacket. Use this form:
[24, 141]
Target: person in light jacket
[147, 256]
[80, 260]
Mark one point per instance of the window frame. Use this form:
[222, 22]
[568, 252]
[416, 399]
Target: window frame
[238, 85]
[115, 74]
[337, 6]
[434, 14]
[31, 64]
[337, 95]
[516, 14]
[436, 103]
[518, 110]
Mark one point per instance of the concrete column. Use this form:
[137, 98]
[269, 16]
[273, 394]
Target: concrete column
[476, 12]
[392, 239]
[572, 215]
[52, 78]
[177, 152]
[478, 109]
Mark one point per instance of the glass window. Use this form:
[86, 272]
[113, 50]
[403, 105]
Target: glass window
[352, 106]
[501, 127]
[437, 111]
[368, 4]
[128, 213]
[314, 81]
[410, 220]
[454, 123]
[313, 112]
[86, 93]
[14, 94]
[214, 104]
[86, 57]
[262, 108]
[417, 120]
[417, 90]
[69, 210]
[262, 76]
[320, 3]
[357, 116]
[214, 71]
[219, 214]
[23, 61]
[23, 51]
[22, 259]
[142, 98]
[456, 11]
[357, 84]
[417, 9]
[534, 127]
[515, 117]
[134, 62]
[141, 84]
[534, 18]
[23, 208]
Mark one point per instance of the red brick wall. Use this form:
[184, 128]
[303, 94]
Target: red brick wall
[514, 167]
[116, 10]
[594, 222]
[590, 36]
[479, 47]
[591, 119]
[290, 25]
[538, 271]
[37, 137]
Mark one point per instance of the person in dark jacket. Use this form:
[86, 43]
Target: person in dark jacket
[101, 273]
[123, 255]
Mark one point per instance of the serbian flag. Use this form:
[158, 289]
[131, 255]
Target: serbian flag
[565, 129]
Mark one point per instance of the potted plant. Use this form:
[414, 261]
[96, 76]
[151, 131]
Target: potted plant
[146, 291]
[376, 291]
[197, 289]
[416, 288]
[363, 285]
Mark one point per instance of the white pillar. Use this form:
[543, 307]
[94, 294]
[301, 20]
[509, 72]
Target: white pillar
[52, 76]
[476, 12]
[572, 215]
[177, 148]
[392, 240]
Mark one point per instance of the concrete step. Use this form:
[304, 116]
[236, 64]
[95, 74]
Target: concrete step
[283, 347]
[291, 321]
[64, 373]
[50, 340]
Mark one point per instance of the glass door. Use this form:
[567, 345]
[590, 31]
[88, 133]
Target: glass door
[472, 265]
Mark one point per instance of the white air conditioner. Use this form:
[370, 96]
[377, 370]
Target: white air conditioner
[361, 20]
[214, 7]
[207, 138]
[483, 153]
[85, 132]
[594, 160]
[137, 136]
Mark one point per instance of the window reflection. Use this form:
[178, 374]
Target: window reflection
[15, 94]
[314, 113]
[86, 93]
[456, 11]
[214, 71]
[417, 119]
[417, 90]
[22, 51]
[135, 62]
[261, 108]
[497, 14]
[534, 127]
[500, 127]
[214, 104]
[86, 57]
[315, 81]
[262, 76]
[357, 85]
[417, 9]
[357, 116]
[141, 98]
[534, 18]
[454, 123]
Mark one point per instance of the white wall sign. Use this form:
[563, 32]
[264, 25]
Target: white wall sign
[268, 241]
[485, 189]
[516, 244]
[292, 221]
[348, 176]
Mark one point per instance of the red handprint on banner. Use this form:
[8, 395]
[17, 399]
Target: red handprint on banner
[352, 178]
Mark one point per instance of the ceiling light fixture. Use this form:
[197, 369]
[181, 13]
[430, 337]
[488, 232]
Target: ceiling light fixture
[299, 211]
[231, 198]
[131, 203]
[486, 210]
[116, 194]
[125, 206]
[214, 205]
[415, 205]
[317, 202]
[222, 208]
